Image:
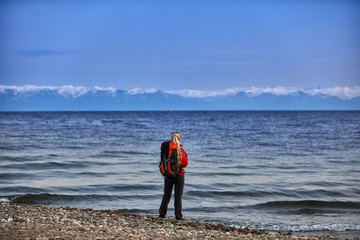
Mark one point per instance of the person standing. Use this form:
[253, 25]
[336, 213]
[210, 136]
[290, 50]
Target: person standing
[173, 149]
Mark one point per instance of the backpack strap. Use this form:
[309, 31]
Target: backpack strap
[165, 150]
[172, 146]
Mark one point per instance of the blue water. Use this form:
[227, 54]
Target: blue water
[285, 170]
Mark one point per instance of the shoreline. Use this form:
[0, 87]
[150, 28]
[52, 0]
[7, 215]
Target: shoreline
[22, 221]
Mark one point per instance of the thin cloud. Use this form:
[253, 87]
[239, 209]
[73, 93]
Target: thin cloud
[141, 91]
[28, 90]
[340, 92]
[345, 93]
[71, 91]
[111, 90]
[204, 93]
[254, 91]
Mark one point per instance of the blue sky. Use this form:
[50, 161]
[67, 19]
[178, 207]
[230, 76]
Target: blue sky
[178, 45]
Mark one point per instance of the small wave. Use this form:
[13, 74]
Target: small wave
[338, 227]
[22, 189]
[231, 193]
[9, 177]
[311, 211]
[60, 199]
[118, 154]
[213, 209]
[53, 165]
[4, 199]
[267, 144]
[13, 159]
[111, 121]
[309, 204]
[43, 165]
[214, 156]
[135, 125]
[286, 167]
[120, 188]
[47, 199]
[134, 187]
[324, 184]
[131, 152]
[271, 193]
[228, 174]
[97, 174]
[53, 155]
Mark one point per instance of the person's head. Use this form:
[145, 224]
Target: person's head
[175, 137]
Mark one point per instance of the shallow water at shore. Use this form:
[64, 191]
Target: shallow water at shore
[287, 171]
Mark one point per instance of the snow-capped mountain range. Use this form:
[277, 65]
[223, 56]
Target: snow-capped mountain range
[79, 98]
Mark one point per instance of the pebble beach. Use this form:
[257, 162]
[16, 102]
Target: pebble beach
[19, 221]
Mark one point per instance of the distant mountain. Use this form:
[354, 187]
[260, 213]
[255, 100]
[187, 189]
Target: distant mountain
[57, 99]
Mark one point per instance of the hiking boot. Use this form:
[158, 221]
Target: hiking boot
[179, 222]
[180, 225]
[161, 220]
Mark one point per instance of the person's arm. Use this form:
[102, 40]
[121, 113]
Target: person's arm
[184, 158]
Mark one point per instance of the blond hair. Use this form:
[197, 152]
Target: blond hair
[175, 137]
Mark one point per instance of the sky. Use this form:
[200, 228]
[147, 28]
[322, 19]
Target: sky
[181, 45]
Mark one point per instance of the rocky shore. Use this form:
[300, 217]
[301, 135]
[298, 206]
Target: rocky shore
[19, 221]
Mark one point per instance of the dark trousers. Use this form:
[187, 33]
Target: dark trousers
[169, 182]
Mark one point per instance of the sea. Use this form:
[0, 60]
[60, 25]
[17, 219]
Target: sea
[289, 171]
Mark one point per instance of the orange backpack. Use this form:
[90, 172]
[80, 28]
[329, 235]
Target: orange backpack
[168, 164]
